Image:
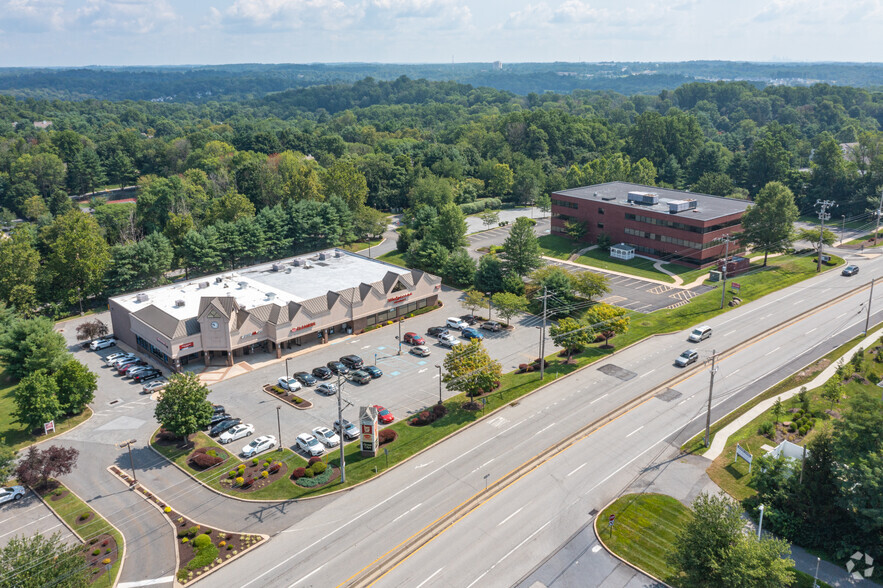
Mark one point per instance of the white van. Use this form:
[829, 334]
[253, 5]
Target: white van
[456, 323]
[699, 334]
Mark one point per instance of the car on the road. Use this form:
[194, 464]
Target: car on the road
[360, 377]
[327, 388]
[309, 445]
[456, 323]
[492, 326]
[146, 376]
[469, 319]
[223, 426]
[236, 432]
[699, 334]
[109, 359]
[413, 339]
[449, 341]
[102, 343]
[326, 436]
[305, 378]
[154, 386]
[259, 445]
[350, 431]
[383, 415]
[373, 371]
[218, 417]
[436, 331]
[849, 270]
[353, 362]
[470, 334]
[337, 368]
[10, 493]
[322, 373]
[420, 351]
[687, 357]
[290, 384]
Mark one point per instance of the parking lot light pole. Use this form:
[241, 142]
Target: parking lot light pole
[128, 445]
[340, 428]
[400, 336]
[279, 425]
[287, 377]
[439, 384]
[489, 309]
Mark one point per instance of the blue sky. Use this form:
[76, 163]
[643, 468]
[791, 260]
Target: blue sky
[154, 32]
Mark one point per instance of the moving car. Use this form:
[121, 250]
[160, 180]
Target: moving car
[350, 431]
[146, 376]
[322, 373]
[699, 334]
[337, 368]
[327, 388]
[449, 341]
[373, 371]
[383, 415]
[305, 378]
[420, 351]
[154, 386]
[413, 339]
[259, 445]
[436, 331]
[290, 384]
[223, 426]
[470, 334]
[309, 445]
[687, 357]
[849, 270]
[326, 436]
[236, 432]
[491, 326]
[10, 493]
[353, 362]
[456, 323]
[102, 343]
[360, 377]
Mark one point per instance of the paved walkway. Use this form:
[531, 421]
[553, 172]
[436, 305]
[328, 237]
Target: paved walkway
[607, 271]
[474, 223]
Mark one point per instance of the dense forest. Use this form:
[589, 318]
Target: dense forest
[225, 183]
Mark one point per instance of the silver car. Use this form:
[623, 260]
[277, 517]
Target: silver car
[11, 493]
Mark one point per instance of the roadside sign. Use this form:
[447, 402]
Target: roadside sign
[735, 286]
[744, 454]
[50, 426]
[611, 519]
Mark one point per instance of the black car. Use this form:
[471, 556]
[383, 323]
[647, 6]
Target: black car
[223, 426]
[436, 331]
[373, 371]
[468, 319]
[337, 368]
[218, 418]
[322, 373]
[218, 408]
[353, 362]
[146, 376]
[305, 378]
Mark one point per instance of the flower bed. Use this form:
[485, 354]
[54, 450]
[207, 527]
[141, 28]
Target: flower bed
[428, 416]
[318, 473]
[251, 476]
[100, 551]
[205, 458]
[287, 397]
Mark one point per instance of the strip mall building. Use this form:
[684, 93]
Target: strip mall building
[271, 307]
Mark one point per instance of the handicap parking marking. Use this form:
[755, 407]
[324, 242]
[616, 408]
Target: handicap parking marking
[381, 348]
[421, 362]
[395, 373]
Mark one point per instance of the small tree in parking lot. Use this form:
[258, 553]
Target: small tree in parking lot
[38, 465]
[469, 369]
[91, 330]
[474, 300]
[183, 408]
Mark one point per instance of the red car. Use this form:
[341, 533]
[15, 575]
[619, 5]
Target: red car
[383, 415]
[414, 339]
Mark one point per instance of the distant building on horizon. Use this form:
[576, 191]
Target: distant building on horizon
[498, 65]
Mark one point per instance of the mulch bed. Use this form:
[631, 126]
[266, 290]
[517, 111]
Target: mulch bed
[53, 497]
[335, 474]
[252, 471]
[223, 455]
[287, 397]
[107, 547]
[81, 521]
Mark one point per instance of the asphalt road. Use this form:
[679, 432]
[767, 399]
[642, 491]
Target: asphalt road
[27, 517]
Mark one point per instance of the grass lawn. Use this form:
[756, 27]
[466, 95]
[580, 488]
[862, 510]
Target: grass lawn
[70, 508]
[354, 247]
[834, 224]
[16, 435]
[638, 267]
[867, 240]
[559, 247]
[394, 257]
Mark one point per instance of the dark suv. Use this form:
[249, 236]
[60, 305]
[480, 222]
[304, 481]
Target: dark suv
[353, 362]
[337, 368]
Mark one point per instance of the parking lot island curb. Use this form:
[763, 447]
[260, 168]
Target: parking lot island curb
[304, 405]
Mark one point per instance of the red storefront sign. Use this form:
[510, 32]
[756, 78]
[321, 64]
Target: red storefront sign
[302, 327]
[399, 298]
[185, 345]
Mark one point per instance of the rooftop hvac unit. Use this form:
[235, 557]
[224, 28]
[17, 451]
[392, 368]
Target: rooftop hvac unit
[271, 295]
[323, 256]
[218, 280]
[607, 198]
[336, 253]
[179, 303]
[142, 297]
[277, 267]
[243, 285]
[645, 198]
[680, 205]
[202, 285]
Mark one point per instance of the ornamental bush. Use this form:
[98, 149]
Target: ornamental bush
[239, 481]
[309, 473]
[265, 474]
[105, 561]
[275, 467]
[222, 544]
[298, 473]
[185, 540]
[439, 410]
[204, 460]
[241, 468]
[313, 460]
[167, 509]
[85, 515]
[232, 474]
[193, 531]
[202, 541]
[96, 551]
[255, 461]
[319, 467]
[386, 436]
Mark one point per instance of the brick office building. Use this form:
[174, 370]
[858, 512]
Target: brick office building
[679, 226]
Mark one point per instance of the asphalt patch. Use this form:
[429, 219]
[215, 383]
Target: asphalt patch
[617, 372]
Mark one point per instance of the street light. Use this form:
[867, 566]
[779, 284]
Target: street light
[128, 445]
[439, 383]
[760, 523]
[279, 425]
[287, 377]
[489, 302]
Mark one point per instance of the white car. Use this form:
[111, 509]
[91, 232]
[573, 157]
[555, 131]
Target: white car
[449, 341]
[102, 343]
[290, 384]
[113, 358]
[237, 432]
[326, 436]
[259, 445]
[420, 351]
[456, 323]
[10, 493]
[309, 445]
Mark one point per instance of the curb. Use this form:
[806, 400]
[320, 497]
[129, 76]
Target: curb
[59, 435]
[268, 389]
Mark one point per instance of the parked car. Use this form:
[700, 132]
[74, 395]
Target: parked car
[218, 418]
[309, 445]
[109, 359]
[326, 436]
[259, 445]
[699, 334]
[327, 388]
[139, 369]
[146, 376]
[687, 357]
[350, 431]
[290, 384]
[383, 415]
[353, 362]
[124, 369]
[360, 377]
[449, 341]
[223, 426]
[238, 431]
[456, 323]
[468, 319]
[102, 343]
[337, 368]
[305, 378]
[470, 334]
[118, 363]
[373, 371]
[491, 326]
[10, 493]
[413, 339]
[154, 386]
[218, 408]
[849, 270]
[322, 373]
[436, 331]
[420, 351]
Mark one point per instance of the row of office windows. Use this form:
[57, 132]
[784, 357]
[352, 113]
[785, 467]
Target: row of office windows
[665, 255]
[564, 203]
[667, 239]
[680, 226]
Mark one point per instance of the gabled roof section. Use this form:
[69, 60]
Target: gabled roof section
[164, 322]
[389, 281]
[226, 306]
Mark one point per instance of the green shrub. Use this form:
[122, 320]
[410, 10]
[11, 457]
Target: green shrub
[212, 453]
[309, 473]
[96, 551]
[232, 474]
[255, 461]
[802, 430]
[318, 467]
[265, 474]
[193, 531]
[185, 540]
[85, 515]
[201, 541]
[239, 481]
[241, 468]
[766, 429]
[182, 576]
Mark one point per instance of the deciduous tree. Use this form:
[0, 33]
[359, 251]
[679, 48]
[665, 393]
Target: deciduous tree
[183, 408]
[36, 400]
[768, 225]
[508, 305]
[91, 330]
[18, 270]
[76, 386]
[470, 369]
[39, 465]
[590, 285]
[68, 567]
[489, 276]
[78, 256]
[449, 228]
[474, 299]
[608, 320]
[572, 335]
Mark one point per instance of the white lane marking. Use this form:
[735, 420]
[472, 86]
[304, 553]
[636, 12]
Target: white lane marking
[423, 370]
[728, 334]
[773, 351]
[648, 373]
[307, 576]
[366, 347]
[422, 465]
[681, 402]
[429, 578]
[503, 522]
[407, 513]
[596, 549]
[598, 398]
[825, 290]
[544, 429]
[840, 315]
[575, 471]
[27, 525]
[635, 431]
[811, 330]
[475, 581]
[733, 372]
[153, 582]
[487, 462]
[799, 301]
[355, 340]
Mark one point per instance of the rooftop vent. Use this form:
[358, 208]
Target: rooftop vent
[336, 253]
[179, 303]
[645, 198]
[277, 267]
[595, 194]
[323, 256]
[295, 262]
[307, 264]
[243, 285]
[218, 280]
[607, 198]
[202, 285]
[142, 297]
[271, 295]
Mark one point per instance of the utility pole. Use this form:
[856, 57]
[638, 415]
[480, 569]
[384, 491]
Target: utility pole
[279, 425]
[870, 297]
[400, 337]
[879, 210]
[128, 445]
[710, 391]
[760, 522]
[842, 225]
[543, 338]
[726, 239]
[340, 428]
[489, 309]
[823, 216]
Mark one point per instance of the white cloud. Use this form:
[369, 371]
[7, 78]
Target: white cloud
[32, 16]
[819, 12]
[130, 16]
[581, 13]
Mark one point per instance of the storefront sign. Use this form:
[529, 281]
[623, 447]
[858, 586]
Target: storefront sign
[399, 298]
[302, 327]
[185, 345]
[369, 438]
[161, 342]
